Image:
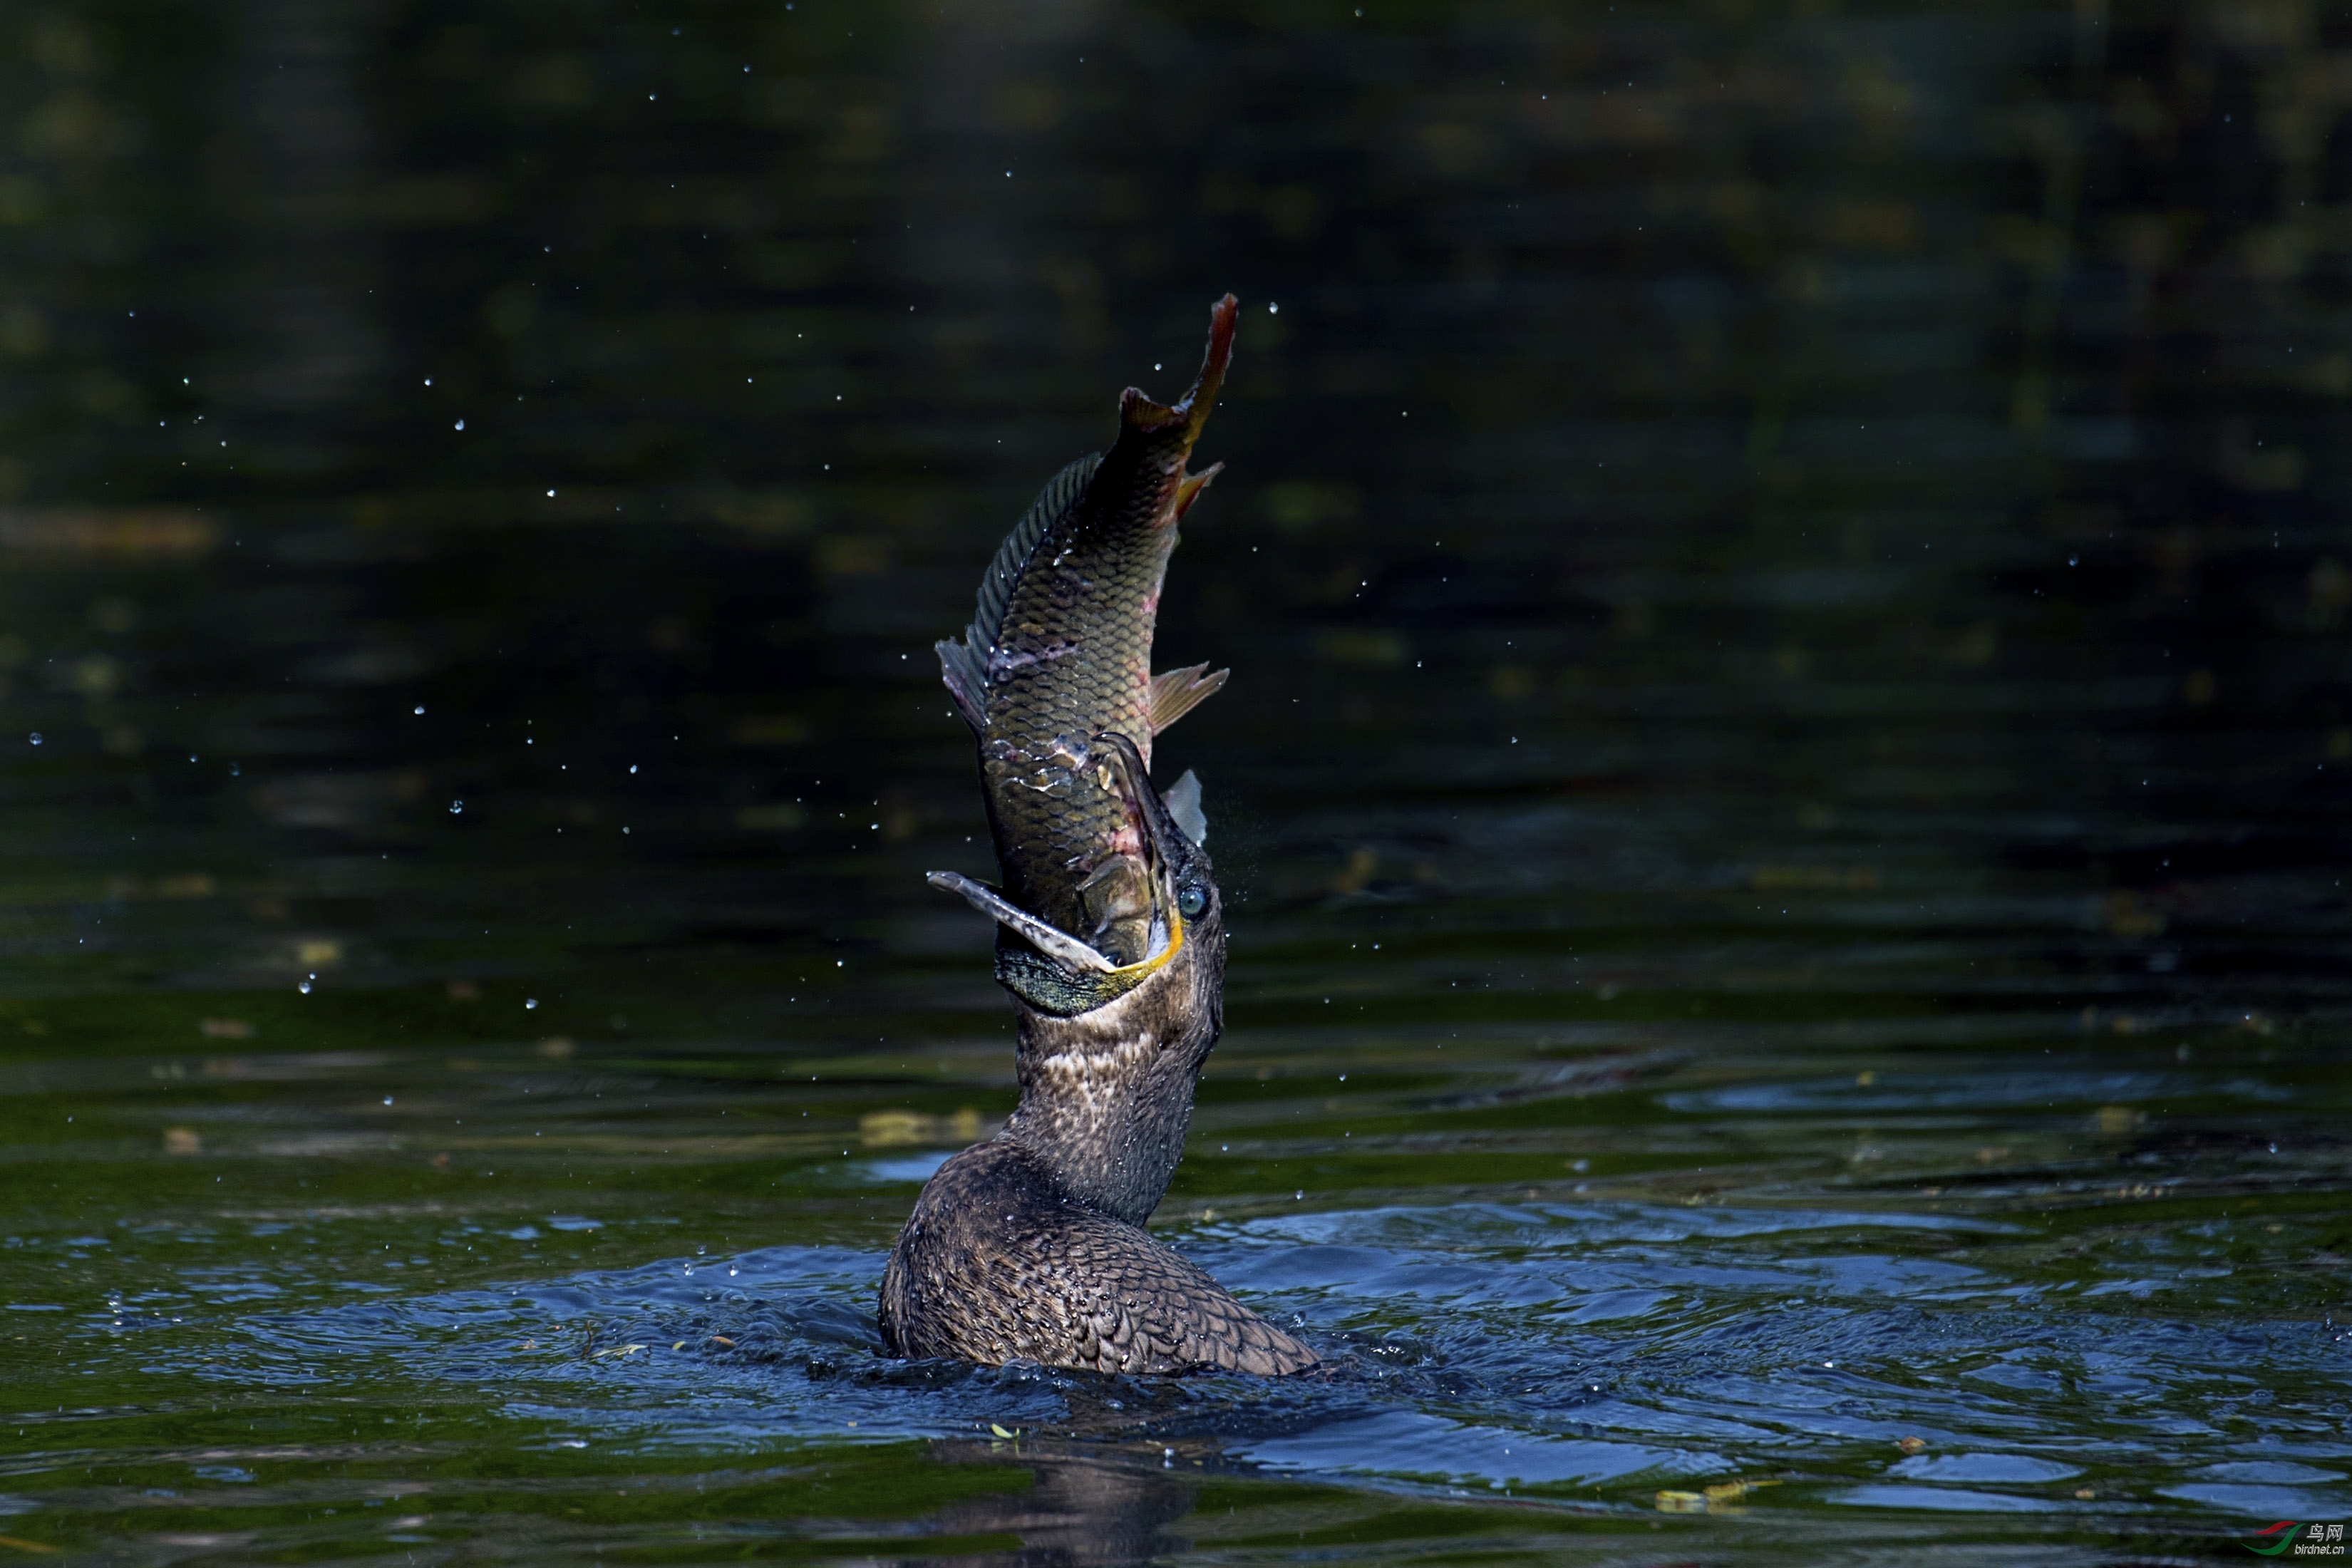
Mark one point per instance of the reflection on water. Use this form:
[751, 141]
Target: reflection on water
[1781, 792]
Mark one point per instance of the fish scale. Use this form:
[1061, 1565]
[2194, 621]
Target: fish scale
[1073, 656]
[1060, 651]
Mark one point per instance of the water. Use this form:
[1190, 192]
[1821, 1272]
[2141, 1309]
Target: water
[1780, 799]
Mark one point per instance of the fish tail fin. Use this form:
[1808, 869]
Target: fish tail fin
[964, 669]
[1178, 693]
[1140, 414]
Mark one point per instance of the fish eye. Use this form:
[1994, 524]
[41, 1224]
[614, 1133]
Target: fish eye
[1191, 901]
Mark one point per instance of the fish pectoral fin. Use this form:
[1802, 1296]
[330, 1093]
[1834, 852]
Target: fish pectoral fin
[1183, 798]
[1060, 946]
[1177, 692]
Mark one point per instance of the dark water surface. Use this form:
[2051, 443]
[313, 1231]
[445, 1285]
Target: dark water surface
[1782, 795]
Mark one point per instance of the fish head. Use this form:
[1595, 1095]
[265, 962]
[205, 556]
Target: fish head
[1119, 903]
[1179, 913]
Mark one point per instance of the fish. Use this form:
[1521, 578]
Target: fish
[1058, 655]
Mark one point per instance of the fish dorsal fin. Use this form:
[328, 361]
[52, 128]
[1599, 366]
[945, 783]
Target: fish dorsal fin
[963, 666]
[1053, 503]
[1183, 799]
[1178, 691]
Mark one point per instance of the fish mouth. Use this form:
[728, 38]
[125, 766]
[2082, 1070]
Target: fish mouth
[1073, 976]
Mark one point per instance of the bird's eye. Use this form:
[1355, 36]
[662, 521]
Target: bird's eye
[1192, 901]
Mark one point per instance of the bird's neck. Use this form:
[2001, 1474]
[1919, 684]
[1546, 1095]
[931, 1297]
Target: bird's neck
[1107, 1096]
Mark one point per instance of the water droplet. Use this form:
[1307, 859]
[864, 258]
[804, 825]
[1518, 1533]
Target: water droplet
[550, 495]
[36, 737]
[457, 807]
[387, 1100]
[420, 712]
[304, 987]
[461, 424]
[529, 1003]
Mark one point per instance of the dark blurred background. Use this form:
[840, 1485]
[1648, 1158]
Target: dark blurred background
[1926, 420]
[1785, 567]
